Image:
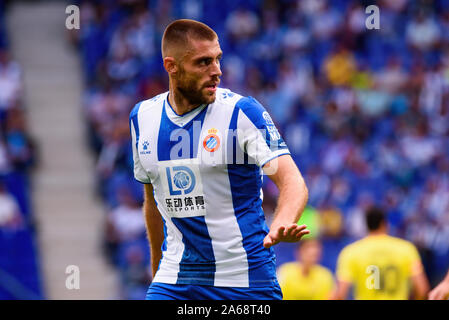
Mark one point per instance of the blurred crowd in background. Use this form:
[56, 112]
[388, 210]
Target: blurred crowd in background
[365, 113]
[20, 276]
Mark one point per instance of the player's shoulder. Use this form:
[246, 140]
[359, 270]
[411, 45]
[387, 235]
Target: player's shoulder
[401, 244]
[395, 244]
[353, 245]
[145, 105]
[352, 248]
[230, 98]
[323, 274]
[247, 105]
[289, 266]
[288, 270]
[322, 270]
[227, 97]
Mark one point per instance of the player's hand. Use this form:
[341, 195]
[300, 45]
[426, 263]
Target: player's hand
[285, 233]
[440, 292]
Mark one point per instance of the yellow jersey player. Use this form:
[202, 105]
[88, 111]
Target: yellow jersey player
[305, 279]
[379, 266]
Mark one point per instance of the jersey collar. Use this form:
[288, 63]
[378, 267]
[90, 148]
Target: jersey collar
[181, 120]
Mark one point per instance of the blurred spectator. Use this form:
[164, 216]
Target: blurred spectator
[137, 275]
[340, 67]
[325, 21]
[5, 165]
[126, 243]
[242, 24]
[19, 258]
[10, 215]
[422, 32]
[125, 222]
[331, 222]
[355, 218]
[392, 78]
[21, 146]
[10, 83]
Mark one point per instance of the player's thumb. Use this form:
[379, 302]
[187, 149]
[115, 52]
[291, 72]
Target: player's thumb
[267, 242]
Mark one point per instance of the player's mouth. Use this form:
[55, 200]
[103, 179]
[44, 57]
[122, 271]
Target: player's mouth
[211, 87]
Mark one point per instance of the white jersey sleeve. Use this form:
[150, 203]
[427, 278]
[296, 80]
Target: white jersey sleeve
[257, 134]
[139, 172]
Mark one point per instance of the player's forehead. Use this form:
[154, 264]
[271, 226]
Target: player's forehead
[203, 48]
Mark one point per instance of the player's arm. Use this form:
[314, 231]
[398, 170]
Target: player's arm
[344, 274]
[293, 196]
[420, 286]
[328, 288]
[259, 138]
[154, 226]
[441, 291]
[153, 219]
[342, 290]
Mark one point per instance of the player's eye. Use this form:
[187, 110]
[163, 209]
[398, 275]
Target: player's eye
[205, 62]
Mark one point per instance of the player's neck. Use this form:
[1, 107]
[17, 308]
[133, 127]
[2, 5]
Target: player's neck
[305, 268]
[179, 103]
[381, 232]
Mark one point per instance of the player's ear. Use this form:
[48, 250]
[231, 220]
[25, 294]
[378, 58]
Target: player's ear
[170, 65]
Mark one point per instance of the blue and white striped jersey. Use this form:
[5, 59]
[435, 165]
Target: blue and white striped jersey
[205, 168]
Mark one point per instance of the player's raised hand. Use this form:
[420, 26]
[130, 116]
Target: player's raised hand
[285, 233]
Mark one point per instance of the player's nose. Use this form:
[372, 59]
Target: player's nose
[216, 69]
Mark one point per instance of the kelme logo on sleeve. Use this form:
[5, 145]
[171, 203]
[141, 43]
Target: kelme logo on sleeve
[145, 147]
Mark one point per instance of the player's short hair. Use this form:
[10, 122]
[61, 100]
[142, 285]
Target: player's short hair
[180, 31]
[375, 217]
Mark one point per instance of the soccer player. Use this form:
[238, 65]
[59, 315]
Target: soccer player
[380, 266]
[441, 291]
[305, 279]
[201, 152]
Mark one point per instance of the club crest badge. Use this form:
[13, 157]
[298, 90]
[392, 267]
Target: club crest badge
[211, 142]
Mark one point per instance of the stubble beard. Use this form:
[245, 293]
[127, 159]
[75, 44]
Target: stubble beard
[194, 95]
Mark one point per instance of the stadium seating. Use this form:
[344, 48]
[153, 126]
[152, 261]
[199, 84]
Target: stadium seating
[20, 276]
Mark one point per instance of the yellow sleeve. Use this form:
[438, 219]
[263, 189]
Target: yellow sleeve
[344, 266]
[416, 266]
[328, 285]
